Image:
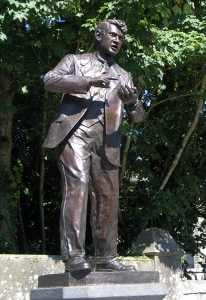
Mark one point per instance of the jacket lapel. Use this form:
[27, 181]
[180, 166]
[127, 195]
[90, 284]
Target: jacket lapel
[86, 65]
[113, 112]
[114, 72]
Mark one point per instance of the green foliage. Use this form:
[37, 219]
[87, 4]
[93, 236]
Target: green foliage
[9, 241]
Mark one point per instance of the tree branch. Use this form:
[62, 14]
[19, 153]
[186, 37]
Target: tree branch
[187, 136]
[160, 102]
[90, 48]
[78, 45]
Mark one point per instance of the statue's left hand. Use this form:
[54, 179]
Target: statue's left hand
[128, 95]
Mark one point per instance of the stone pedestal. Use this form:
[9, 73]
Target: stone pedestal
[81, 278]
[100, 285]
[159, 245]
[149, 291]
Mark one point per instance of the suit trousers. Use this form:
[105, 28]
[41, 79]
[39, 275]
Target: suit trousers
[85, 170]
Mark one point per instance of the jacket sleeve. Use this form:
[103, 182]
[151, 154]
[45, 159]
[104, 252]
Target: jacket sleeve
[136, 111]
[62, 78]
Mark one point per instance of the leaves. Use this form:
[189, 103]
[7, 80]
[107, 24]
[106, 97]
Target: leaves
[177, 10]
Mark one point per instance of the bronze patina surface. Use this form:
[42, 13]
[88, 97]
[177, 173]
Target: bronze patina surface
[86, 136]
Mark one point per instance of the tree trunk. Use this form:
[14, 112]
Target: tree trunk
[23, 234]
[41, 192]
[6, 118]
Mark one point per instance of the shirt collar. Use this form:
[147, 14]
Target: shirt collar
[97, 56]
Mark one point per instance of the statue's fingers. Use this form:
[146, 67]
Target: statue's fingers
[123, 89]
[131, 91]
[121, 96]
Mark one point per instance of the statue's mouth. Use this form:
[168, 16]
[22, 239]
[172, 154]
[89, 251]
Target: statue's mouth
[114, 47]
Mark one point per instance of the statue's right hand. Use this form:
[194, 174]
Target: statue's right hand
[101, 82]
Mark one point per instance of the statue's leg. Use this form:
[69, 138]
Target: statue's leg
[104, 195]
[74, 171]
[104, 215]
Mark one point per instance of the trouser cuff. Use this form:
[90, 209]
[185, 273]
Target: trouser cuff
[72, 254]
[106, 260]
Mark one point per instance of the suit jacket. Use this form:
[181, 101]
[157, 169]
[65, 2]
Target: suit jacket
[71, 77]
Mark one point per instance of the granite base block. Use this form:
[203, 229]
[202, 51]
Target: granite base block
[145, 291]
[81, 278]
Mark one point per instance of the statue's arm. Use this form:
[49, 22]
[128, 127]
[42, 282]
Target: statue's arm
[136, 113]
[62, 78]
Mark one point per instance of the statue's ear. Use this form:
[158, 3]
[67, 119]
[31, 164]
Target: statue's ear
[98, 35]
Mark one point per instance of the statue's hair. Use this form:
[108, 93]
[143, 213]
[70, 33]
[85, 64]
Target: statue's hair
[103, 26]
[118, 23]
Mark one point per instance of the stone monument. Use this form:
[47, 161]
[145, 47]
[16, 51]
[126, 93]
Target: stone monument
[85, 134]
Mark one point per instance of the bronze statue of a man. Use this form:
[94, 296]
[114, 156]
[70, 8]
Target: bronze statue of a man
[86, 136]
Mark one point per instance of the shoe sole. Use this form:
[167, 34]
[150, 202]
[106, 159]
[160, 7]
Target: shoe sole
[78, 270]
[107, 270]
[112, 270]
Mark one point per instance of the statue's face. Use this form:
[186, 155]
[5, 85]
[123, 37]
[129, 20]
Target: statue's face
[110, 41]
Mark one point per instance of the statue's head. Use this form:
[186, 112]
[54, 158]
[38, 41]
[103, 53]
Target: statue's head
[108, 37]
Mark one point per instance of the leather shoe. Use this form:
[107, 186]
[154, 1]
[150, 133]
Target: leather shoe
[114, 266]
[77, 264]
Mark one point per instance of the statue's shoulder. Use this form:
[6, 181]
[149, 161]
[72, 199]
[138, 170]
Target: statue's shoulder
[82, 58]
[78, 58]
